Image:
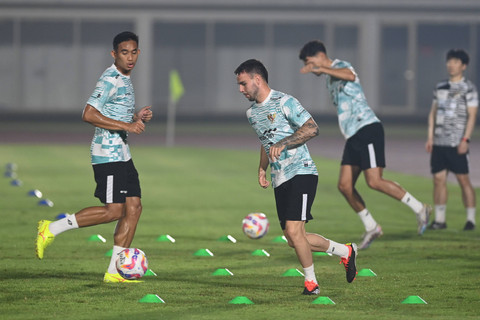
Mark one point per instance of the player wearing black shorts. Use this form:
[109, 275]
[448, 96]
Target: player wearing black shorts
[116, 181]
[364, 149]
[450, 125]
[111, 109]
[283, 126]
[294, 199]
[448, 158]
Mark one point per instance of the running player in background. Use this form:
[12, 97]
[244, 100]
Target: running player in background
[111, 109]
[450, 126]
[365, 146]
[283, 126]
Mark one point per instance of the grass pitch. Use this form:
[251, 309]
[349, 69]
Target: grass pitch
[198, 196]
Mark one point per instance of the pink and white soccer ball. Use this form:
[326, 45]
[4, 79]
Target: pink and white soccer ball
[255, 225]
[132, 263]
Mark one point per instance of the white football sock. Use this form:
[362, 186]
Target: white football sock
[471, 214]
[310, 274]
[64, 224]
[337, 249]
[440, 213]
[367, 219]
[413, 203]
[112, 267]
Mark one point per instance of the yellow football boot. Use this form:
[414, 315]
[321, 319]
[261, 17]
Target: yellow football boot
[44, 238]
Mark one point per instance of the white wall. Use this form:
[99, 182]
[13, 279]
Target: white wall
[38, 73]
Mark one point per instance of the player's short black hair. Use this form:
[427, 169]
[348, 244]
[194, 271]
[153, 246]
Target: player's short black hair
[311, 48]
[124, 36]
[458, 54]
[253, 66]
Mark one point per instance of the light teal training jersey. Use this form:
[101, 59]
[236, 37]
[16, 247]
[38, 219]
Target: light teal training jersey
[114, 98]
[279, 116]
[348, 97]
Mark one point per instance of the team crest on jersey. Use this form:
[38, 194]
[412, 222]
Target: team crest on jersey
[271, 117]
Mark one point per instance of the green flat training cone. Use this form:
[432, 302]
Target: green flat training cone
[222, 272]
[240, 300]
[97, 238]
[166, 238]
[151, 298]
[280, 239]
[322, 254]
[366, 273]
[150, 273]
[292, 273]
[109, 253]
[203, 253]
[323, 300]
[227, 238]
[414, 300]
[260, 252]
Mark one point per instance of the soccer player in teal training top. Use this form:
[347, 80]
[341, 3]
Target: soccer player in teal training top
[283, 126]
[365, 146]
[111, 109]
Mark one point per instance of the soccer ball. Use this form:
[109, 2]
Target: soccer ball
[255, 225]
[131, 263]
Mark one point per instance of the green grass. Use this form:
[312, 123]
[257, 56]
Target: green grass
[197, 196]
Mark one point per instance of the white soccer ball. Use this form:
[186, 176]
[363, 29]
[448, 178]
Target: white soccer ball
[255, 225]
[131, 263]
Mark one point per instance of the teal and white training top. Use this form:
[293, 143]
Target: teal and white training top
[349, 99]
[279, 116]
[114, 98]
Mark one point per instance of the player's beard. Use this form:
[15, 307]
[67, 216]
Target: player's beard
[253, 95]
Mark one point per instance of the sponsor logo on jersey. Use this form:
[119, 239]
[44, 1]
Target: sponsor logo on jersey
[268, 134]
[307, 164]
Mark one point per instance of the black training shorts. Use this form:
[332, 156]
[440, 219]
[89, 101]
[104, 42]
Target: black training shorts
[294, 198]
[447, 158]
[366, 148]
[116, 181]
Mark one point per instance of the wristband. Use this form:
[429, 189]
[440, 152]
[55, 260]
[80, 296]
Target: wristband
[466, 140]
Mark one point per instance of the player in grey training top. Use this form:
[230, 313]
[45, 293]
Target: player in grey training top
[450, 126]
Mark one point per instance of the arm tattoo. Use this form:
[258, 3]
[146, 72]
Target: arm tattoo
[306, 132]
